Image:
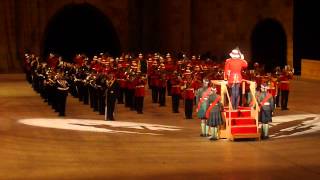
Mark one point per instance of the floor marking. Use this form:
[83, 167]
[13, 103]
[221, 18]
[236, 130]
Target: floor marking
[294, 125]
[100, 126]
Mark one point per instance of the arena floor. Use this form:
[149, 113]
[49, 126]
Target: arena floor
[36, 144]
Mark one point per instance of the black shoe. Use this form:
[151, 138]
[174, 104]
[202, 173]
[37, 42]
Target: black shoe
[213, 139]
[140, 112]
[202, 135]
[284, 109]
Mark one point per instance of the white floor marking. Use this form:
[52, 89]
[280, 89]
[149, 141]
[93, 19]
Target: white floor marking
[308, 123]
[106, 126]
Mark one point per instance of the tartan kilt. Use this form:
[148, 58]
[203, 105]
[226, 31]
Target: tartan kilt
[215, 119]
[265, 116]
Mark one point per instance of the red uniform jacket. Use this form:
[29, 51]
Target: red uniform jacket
[196, 84]
[175, 86]
[233, 69]
[284, 83]
[161, 82]
[130, 84]
[153, 79]
[140, 88]
[121, 78]
[53, 62]
[189, 93]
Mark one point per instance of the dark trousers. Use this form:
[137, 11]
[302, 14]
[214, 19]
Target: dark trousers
[130, 99]
[162, 96]
[85, 94]
[102, 102]
[284, 99]
[277, 102]
[73, 89]
[55, 99]
[80, 90]
[169, 87]
[120, 95]
[139, 104]
[127, 98]
[50, 94]
[61, 102]
[188, 108]
[155, 94]
[149, 82]
[175, 103]
[111, 101]
[235, 95]
[91, 96]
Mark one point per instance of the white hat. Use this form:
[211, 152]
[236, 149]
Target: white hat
[235, 53]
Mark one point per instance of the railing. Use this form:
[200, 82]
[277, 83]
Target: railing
[255, 106]
[224, 91]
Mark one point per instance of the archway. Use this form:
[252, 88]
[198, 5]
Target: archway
[269, 44]
[80, 28]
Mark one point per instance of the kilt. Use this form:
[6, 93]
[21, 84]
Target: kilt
[265, 116]
[202, 110]
[215, 117]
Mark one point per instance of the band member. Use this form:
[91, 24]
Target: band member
[143, 64]
[154, 79]
[111, 96]
[161, 85]
[189, 94]
[272, 87]
[139, 92]
[122, 82]
[233, 67]
[266, 104]
[130, 91]
[175, 91]
[202, 106]
[213, 113]
[284, 87]
[101, 88]
[52, 61]
[62, 93]
[277, 74]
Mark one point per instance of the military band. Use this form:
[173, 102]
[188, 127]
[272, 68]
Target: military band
[105, 81]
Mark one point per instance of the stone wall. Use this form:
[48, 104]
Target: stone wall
[196, 26]
[310, 69]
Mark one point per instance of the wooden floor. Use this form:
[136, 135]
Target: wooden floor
[148, 151]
